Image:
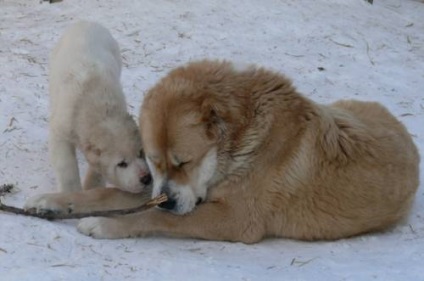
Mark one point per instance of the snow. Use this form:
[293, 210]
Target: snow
[332, 49]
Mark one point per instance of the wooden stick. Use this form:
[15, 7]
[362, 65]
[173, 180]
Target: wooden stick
[62, 216]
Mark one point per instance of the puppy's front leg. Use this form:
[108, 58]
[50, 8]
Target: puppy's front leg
[210, 221]
[65, 164]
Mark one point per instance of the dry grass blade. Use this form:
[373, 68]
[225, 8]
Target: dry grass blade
[62, 216]
[6, 188]
[341, 44]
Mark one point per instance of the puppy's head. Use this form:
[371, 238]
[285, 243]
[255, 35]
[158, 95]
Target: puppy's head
[181, 126]
[115, 151]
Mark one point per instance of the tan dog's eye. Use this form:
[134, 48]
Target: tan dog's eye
[182, 164]
[178, 163]
[122, 164]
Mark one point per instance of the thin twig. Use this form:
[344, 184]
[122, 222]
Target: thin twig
[301, 263]
[61, 216]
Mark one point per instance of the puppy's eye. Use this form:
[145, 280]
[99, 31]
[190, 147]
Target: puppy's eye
[141, 154]
[122, 164]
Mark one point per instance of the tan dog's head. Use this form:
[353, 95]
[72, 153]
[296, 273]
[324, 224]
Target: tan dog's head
[115, 151]
[181, 123]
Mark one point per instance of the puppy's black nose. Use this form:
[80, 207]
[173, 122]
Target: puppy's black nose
[146, 180]
[168, 205]
[199, 200]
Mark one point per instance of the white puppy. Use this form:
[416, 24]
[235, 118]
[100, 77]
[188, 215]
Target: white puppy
[88, 111]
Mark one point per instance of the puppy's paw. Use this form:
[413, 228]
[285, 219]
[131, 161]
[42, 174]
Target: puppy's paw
[101, 228]
[48, 203]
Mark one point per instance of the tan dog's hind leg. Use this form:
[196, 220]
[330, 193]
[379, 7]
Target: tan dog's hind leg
[210, 221]
[93, 179]
[98, 199]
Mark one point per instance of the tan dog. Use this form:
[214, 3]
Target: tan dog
[265, 161]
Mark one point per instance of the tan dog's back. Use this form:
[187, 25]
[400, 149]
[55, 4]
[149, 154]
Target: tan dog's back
[364, 167]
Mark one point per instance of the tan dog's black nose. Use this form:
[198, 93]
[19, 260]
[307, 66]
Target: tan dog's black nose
[171, 203]
[168, 205]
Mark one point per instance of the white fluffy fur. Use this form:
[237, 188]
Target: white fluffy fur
[88, 111]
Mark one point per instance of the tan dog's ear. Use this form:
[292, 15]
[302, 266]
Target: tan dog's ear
[213, 116]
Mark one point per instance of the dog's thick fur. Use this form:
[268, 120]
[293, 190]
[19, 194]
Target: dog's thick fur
[266, 161]
[88, 111]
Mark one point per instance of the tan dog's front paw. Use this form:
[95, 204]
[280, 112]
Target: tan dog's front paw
[101, 228]
[48, 203]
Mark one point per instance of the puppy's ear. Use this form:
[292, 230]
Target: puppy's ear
[91, 153]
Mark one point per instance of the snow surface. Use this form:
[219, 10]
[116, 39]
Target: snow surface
[331, 48]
